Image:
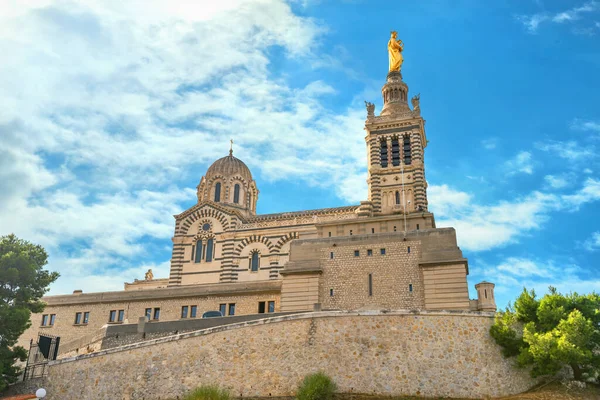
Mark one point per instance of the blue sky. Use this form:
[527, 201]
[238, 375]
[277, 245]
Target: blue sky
[110, 112]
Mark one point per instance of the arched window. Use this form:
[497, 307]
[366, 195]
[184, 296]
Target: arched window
[397, 197]
[198, 257]
[383, 154]
[218, 192]
[209, 250]
[236, 193]
[254, 261]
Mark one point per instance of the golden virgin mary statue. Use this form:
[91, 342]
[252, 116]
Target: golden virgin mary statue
[395, 48]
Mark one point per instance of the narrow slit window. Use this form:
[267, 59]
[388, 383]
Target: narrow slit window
[372, 230]
[383, 155]
[331, 255]
[397, 197]
[417, 226]
[408, 249]
[329, 234]
[193, 250]
[236, 194]
[395, 152]
[410, 288]
[209, 250]
[407, 150]
[330, 292]
[218, 192]
[485, 291]
[370, 284]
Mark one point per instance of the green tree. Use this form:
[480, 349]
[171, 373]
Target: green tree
[23, 282]
[553, 332]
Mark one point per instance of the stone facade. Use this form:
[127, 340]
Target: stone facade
[225, 253]
[398, 353]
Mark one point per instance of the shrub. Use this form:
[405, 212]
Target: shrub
[208, 392]
[316, 387]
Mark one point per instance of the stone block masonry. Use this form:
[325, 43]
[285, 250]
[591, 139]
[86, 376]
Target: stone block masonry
[422, 353]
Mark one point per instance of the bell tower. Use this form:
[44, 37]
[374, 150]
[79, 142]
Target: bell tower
[395, 147]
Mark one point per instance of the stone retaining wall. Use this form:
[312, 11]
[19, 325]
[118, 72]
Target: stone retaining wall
[389, 353]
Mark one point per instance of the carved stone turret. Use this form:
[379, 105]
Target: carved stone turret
[395, 95]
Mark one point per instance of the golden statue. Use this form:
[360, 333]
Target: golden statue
[395, 48]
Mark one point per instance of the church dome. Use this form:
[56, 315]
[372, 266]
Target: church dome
[229, 166]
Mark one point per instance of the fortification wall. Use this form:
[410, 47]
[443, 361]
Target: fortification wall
[394, 353]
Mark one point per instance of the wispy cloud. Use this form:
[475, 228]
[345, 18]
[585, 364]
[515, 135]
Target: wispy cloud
[490, 143]
[593, 243]
[521, 163]
[109, 110]
[532, 22]
[585, 125]
[569, 150]
[518, 272]
[556, 182]
[482, 227]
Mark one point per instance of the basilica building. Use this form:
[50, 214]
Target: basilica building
[384, 253]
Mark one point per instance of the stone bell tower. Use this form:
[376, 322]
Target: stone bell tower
[395, 143]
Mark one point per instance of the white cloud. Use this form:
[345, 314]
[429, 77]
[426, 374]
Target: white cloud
[490, 143]
[556, 182]
[107, 107]
[590, 192]
[483, 227]
[521, 163]
[514, 273]
[586, 125]
[570, 150]
[593, 243]
[532, 22]
[575, 12]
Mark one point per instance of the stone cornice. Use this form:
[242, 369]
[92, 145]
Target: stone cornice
[214, 289]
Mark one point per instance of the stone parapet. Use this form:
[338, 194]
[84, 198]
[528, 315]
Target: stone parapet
[430, 354]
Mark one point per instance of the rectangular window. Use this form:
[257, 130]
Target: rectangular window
[44, 319]
[331, 292]
[223, 308]
[193, 311]
[395, 152]
[331, 255]
[407, 152]
[156, 313]
[261, 307]
[370, 284]
[383, 153]
[112, 316]
[410, 287]
[417, 226]
[52, 319]
[148, 313]
[372, 230]
[408, 249]
[77, 318]
[356, 253]
[329, 234]
[382, 251]
[184, 312]
[193, 248]
[198, 255]
[271, 306]
[369, 252]
[121, 316]
[231, 308]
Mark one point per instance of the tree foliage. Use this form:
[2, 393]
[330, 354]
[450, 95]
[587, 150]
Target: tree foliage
[23, 282]
[552, 332]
